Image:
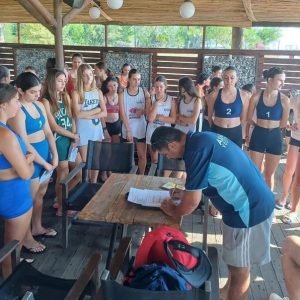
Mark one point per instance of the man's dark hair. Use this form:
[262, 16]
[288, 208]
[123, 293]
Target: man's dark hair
[163, 135]
[215, 69]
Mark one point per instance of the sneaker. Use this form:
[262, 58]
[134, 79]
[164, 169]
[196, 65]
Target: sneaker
[274, 296]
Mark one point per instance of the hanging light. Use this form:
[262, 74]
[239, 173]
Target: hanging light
[94, 12]
[187, 9]
[114, 4]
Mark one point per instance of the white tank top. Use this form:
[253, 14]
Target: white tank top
[163, 109]
[136, 124]
[295, 106]
[186, 110]
[89, 129]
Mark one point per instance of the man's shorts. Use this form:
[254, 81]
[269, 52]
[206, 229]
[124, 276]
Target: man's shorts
[244, 247]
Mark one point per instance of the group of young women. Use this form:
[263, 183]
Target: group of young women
[42, 131]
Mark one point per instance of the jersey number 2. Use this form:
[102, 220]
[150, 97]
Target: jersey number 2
[228, 111]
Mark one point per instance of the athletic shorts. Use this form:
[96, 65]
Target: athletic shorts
[266, 140]
[63, 145]
[287, 133]
[295, 142]
[15, 198]
[114, 128]
[135, 140]
[205, 125]
[234, 134]
[42, 148]
[244, 247]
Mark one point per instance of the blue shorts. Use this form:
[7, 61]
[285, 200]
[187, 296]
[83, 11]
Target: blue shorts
[42, 148]
[15, 198]
[266, 140]
[295, 142]
[234, 134]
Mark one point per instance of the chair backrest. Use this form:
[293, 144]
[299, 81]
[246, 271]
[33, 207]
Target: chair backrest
[165, 163]
[115, 291]
[105, 156]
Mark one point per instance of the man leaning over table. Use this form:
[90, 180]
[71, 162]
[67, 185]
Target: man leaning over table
[224, 173]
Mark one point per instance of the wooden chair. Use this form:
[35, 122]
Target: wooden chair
[26, 282]
[111, 289]
[101, 156]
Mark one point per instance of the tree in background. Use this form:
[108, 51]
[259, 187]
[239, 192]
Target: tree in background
[263, 35]
[218, 37]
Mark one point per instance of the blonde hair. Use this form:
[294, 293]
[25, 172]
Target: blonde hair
[51, 93]
[80, 85]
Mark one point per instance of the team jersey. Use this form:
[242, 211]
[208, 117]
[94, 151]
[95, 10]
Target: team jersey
[265, 112]
[62, 118]
[228, 177]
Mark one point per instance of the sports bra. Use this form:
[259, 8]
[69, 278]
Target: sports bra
[265, 112]
[228, 110]
[4, 163]
[34, 125]
[111, 108]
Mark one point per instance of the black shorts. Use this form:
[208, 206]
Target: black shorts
[287, 133]
[234, 133]
[295, 142]
[205, 125]
[266, 140]
[135, 140]
[114, 128]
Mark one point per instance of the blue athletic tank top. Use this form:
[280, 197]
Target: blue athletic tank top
[265, 112]
[230, 110]
[4, 163]
[34, 125]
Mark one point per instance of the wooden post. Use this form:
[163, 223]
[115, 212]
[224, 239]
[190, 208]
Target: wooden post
[203, 37]
[59, 49]
[19, 33]
[237, 38]
[105, 35]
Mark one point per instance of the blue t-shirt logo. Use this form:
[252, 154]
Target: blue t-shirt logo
[222, 140]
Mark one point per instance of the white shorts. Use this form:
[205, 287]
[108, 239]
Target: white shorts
[244, 247]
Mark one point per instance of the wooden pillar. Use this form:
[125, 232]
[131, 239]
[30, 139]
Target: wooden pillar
[105, 35]
[237, 38]
[203, 37]
[19, 33]
[59, 49]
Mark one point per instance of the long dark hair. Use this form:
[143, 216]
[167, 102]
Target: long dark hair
[188, 84]
[7, 92]
[104, 88]
[27, 80]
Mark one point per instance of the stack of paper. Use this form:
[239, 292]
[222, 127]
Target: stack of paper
[151, 198]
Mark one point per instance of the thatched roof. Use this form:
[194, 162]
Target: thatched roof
[238, 13]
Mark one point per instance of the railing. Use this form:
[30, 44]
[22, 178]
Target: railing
[175, 63]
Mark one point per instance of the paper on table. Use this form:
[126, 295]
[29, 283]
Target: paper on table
[151, 198]
[72, 154]
[45, 176]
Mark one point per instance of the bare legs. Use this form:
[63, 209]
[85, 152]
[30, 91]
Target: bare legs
[141, 149]
[15, 229]
[269, 168]
[237, 285]
[291, 266]
[296, 186]
[291, 162]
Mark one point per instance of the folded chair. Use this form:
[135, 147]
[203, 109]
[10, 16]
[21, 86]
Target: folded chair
[101, 156]
[26, 282]
[113, 290]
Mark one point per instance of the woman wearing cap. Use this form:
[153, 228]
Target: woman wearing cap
[229, 107]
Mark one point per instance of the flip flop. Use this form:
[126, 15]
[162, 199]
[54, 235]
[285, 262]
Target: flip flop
[288, 206]
[35, 250]
[49, 233]
[28, 260]
[279, 206]
[289, 218]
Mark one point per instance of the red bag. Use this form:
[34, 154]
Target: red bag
[152, 249]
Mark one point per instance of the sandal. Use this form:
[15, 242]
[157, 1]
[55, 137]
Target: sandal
[289, 218]
[49, 233]
[213, 212]
[288, 206]
[70, 213]
[279, 206]
[39, 249]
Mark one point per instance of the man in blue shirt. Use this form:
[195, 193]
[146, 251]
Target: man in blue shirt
[221, 170]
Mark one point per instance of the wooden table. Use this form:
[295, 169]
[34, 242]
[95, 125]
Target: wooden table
[110, 205]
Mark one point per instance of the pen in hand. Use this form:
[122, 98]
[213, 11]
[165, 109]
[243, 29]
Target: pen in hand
[176, 201]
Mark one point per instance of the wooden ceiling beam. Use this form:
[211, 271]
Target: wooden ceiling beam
[44, 12]
[68, 17]
[35, 13]
[249, 12]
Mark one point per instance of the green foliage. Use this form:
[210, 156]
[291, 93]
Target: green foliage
[155, 36]
[83, 35]
[10, 34]
[33, 33]
[263, 35]
[218, 37]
